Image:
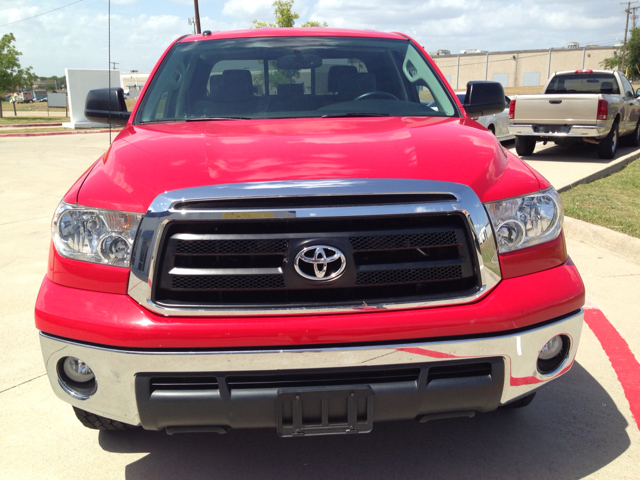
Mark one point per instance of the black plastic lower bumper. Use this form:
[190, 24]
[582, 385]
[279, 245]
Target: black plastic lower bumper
[323, 401]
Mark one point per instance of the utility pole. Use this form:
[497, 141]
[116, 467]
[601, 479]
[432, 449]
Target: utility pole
[634, 17]
[626, 29]
[114, 64]
[197, 10]
[192, 21]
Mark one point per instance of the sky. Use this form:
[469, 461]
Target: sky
[76, 36]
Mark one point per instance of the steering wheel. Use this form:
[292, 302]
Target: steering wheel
[376, 93]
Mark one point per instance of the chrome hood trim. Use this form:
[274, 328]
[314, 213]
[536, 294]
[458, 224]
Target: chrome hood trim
[162, 211]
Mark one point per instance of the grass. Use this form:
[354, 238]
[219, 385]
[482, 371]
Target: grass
[28, 107]
[11, 120]
[612, 202]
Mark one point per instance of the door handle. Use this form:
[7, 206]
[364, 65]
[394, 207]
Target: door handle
[555, 102]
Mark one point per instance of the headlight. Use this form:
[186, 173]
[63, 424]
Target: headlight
[525, 221]
[94, 235]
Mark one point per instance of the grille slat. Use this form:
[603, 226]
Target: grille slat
[183, 383]
[227, 282]
[323, 379]
[410, 275]
[416, 240]
[232, 247]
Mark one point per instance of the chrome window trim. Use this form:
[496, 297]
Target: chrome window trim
[162, 211]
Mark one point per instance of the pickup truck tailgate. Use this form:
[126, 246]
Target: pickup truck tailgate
[556, 109]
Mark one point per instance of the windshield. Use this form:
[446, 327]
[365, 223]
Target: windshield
[584, 83]
[293, 77]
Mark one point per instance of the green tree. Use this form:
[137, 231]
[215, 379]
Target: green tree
[12, 75]
[631, 58]
[285, 17]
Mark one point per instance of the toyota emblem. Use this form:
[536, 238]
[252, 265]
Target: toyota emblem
[320, 262]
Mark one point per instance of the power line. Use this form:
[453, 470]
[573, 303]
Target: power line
[43, 13]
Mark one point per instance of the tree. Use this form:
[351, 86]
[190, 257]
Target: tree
[632, 57]
[12, 75]
[285, 17]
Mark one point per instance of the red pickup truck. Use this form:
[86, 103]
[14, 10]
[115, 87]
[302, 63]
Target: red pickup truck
[286, 235]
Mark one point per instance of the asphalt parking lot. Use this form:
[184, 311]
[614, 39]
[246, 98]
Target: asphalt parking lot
[578, 426]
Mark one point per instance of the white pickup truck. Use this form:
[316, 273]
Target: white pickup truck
[592, 106]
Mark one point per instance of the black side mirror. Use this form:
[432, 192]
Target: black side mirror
[104, 106]
[484, 98]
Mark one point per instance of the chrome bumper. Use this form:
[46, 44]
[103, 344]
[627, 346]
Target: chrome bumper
[574, 131]
[116, 370]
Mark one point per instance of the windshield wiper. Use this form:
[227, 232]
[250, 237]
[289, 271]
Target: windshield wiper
[204, 119]
[353, 114]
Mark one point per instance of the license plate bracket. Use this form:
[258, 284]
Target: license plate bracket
[324, 410]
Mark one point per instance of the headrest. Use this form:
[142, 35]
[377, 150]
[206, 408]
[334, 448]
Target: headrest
[606, 87]
[337, 71]
[236, 85]
[290, 89]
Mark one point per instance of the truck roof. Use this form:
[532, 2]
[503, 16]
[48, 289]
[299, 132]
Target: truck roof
[589, 70]
[292, 32]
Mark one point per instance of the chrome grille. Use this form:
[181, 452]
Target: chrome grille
[240, 229]
[250, 263]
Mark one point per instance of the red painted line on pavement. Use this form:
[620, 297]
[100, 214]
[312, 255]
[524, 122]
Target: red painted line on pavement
[620, 355]
[43, 134]
[25, 125]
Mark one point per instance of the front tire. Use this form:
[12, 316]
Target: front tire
[607, 147]
[525, 145]
[96, 422]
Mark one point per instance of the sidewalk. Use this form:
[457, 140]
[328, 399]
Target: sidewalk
[565, 168]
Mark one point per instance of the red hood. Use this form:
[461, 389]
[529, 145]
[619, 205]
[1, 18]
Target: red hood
[145, 161]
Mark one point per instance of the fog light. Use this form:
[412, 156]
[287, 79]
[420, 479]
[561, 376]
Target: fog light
[553, 354]
[77, 370]
[76, 378]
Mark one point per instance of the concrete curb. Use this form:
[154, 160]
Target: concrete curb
[44, 134]
[601, 237]
[614, 167]
[26, 125]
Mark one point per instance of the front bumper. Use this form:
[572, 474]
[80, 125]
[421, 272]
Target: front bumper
[121, 376]
[593, 131]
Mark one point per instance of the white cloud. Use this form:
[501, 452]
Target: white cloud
[249, 9]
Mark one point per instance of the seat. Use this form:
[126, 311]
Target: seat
[237, 86]
[606, 87]
[215, 81]
[337, 71]
[351, 86]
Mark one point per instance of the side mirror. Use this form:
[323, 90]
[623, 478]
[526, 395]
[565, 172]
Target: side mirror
[484, 98]
[106, 106]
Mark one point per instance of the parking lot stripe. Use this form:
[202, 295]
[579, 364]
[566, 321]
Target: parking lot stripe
[620, 355]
